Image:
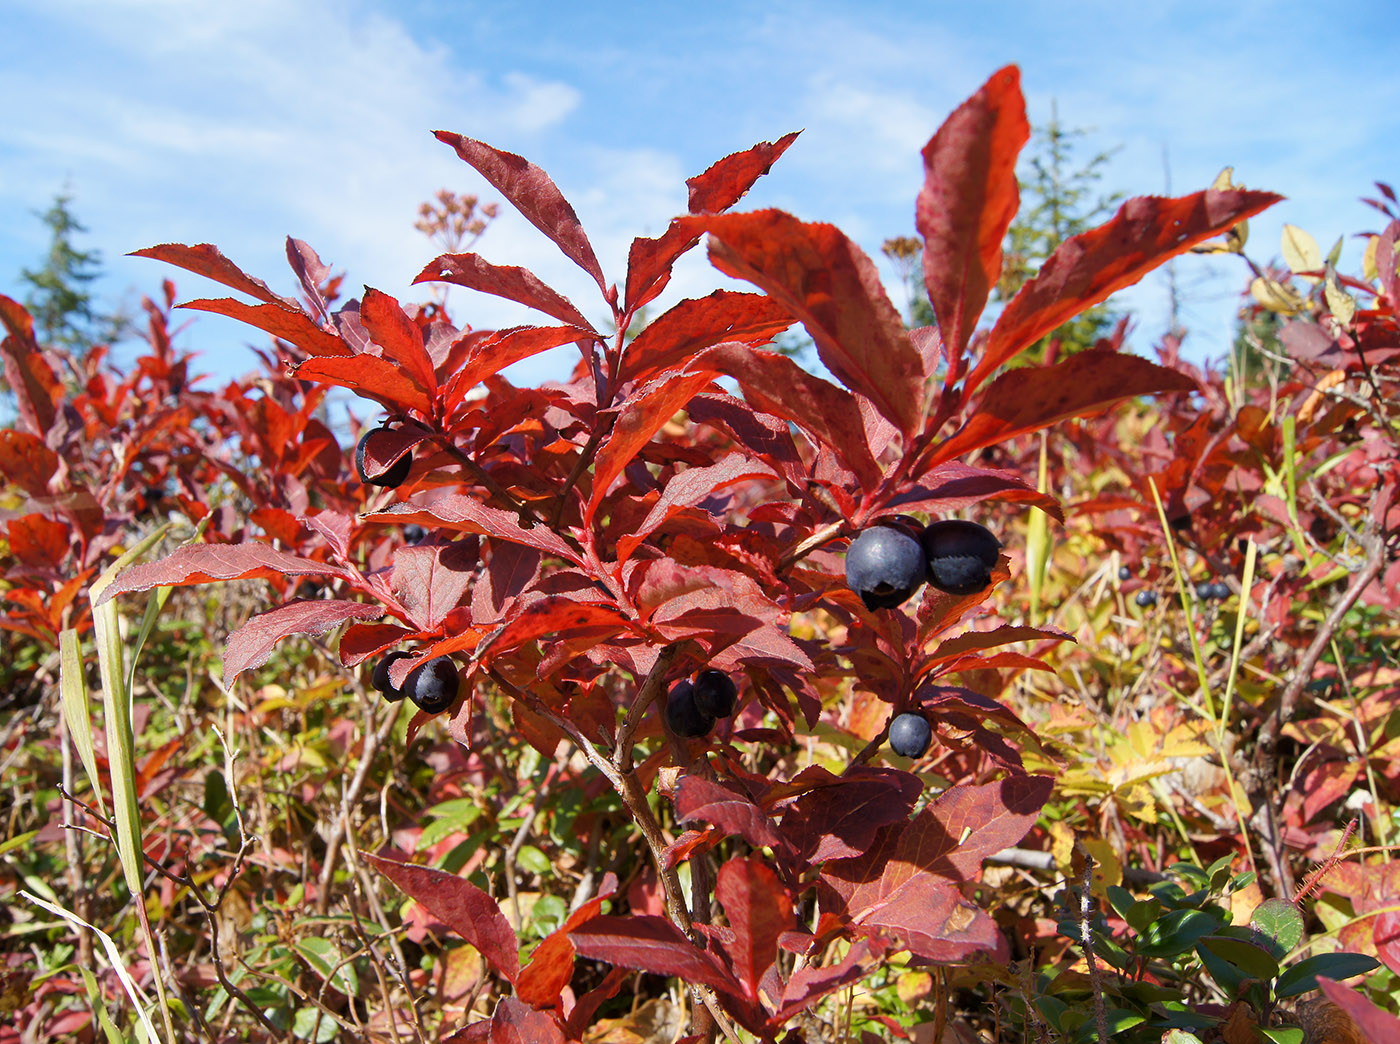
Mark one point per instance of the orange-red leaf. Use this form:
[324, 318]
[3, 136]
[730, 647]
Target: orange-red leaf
[289, 324]
[675, 336]
[391, 328]
[206, 260]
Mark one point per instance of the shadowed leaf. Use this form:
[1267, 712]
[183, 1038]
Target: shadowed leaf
[508, 281]
[252, 644]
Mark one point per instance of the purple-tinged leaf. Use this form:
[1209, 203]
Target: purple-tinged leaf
[511, 569]
[463, 907]
[930, 918]
[1375, 1024]
[210, 563]
[651, 944]
[432, 580]
[954, 486]
[252, 644]
[968, 199]
[689, 488]
[810, 984]
[37, 389]
[311, 272]
[531, 191]
[777, 385]
[468, 515]
[841, 820]
[508, 281]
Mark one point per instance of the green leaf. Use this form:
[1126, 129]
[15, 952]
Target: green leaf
[1119, 1019]
[1253, 960]
[310, 1020]
[1176, 933]
[1280, 922]
[77, 709]
[1142, 913]
[1302, 977]
[533, 860]
[1284, 1035]
[325, 959]
[18, 841]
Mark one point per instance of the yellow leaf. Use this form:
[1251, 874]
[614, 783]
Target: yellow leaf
[1341, 303]
[1061, 843]
[1108, 868]
[1369, 270]
[1300, 251]
[1275, 296]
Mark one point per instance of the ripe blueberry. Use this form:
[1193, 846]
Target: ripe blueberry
[1205, 590]
[413, 533]
[683, 717]
[1124, 573]
[433, 685]
[910, 735]
[884, 566]
[715, 694]
[1145, 597]
[393, 476]
[380, 678]
[1219, 591]
[961, 555]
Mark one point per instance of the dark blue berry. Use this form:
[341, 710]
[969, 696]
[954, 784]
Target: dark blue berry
[910, 735]
[433, 685]
[683, 717]
[380, 678]
[1145, 598]
[715, 694]
[961, 555]
[884, 566]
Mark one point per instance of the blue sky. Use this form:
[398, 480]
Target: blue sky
[239, 124]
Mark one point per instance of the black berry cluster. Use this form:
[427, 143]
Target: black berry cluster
[432, 686]
[1212, 591]
[693, 706]
[885, 564]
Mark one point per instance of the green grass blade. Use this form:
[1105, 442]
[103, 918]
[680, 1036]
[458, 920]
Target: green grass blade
[77, 708]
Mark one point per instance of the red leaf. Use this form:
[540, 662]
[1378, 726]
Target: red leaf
[1146, 232]
[288, 324]
[974, 641]
[759, 910]
[1031, 398]
[26, 461]
[370, 377]
[209, 563]
[966, 824]
[467, 515]
[559, 616]
[649, 262]
[967, 202]
[777, 385]
[1375, 1024]
[931, 918]
[689, 488]
[504, 347]
[463, 907]
[651, 944]
[825, 280]
[698, 798]
[433, 580]
[204, 259]
[508, 281]
[517, 1023]
[677, 335]
[391, 328]
[361, 641]
[39, 542]
[37, 389]
[641, 418]
[954, 486]
[530, 190]
[552, 964]
[252, 644]
[810, 984]
[724, 183]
